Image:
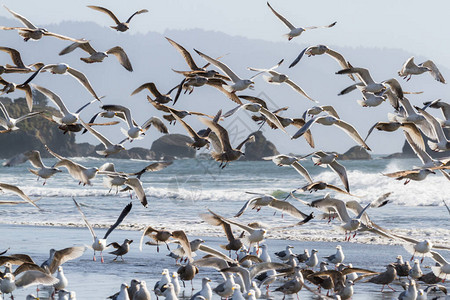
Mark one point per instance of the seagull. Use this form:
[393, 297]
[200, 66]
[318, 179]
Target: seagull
[63, 282]
[410, 292]
[415, 271]
[76, 170]
[386, 277]
[120, 249]
[59, 257]
[423, 247]
[68, 117]
[409, 68]
[228, 153]
[234, 244]
[142, 292]
[337, 258]
[43, 171]
[66, 69]
[19, 66]
[287, 160]
[278, 78]
[120, 26]
[100, 244]
[157, 235]
[328, 121]
[268, 200]
[408, 175]
[292, 286]
[255, 107]
[165, 279]
[443, 270]
[443, 144]
[32, 32]
[319, 50]
[349, 224]
[9, 282]
[238, 83]
[199, 141]
[99, 56]
[408, 127]
[445, 108]
[315, 110]
[205, 292]
[10, 87]
[324, 159]
[15, 190]
[160, 98]
[110, 148]
[295, 31]
[285, 254]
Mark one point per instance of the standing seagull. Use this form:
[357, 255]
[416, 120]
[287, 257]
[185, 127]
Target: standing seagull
[99, 56]
[121, 26]
[100, 244]
[294, 30]
[32, 32]
[120, 249]
[239, 84]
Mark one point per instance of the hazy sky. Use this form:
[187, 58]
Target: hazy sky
[413, 25]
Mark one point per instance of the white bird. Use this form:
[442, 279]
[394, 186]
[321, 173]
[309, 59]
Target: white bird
[313, 260]
[176, 283]
[68, 117]
[225, 289]
[169, 292]
[416, 271]
[14, 189]
[238, 83]
[99, 56]
[328, 121]
[410, 68]
[110, 148]
[100, 244]
[408, 175]
[295, 31]
[42, 171]
[338, 257]
[10, 124]
[443, 270]
[123, 294]
[32, 32]
[278, 78]
[9, 282]
[142, 292]
[285, 254]
[443, 144]
[206, 291]
[445, 108]
[66, 69]
[165, 279]
[76, 170]
[120, 26]
[63, 282]
[237, 295]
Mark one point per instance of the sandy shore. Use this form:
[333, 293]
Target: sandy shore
[94, 280]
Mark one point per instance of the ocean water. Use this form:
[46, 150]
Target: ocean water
[179, 193]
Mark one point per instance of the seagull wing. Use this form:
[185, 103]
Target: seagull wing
[221, 132]
[331, 111]
[136, 13]
[64, 255]
[434, 70]
[106, 11]
[15, 56]
[34, 277]
[83, 80]
[180, 235]
[34, 157]
[85, 46]
[122, 216]
[299, 57]
[119, 108]
[137, 187]
[52, 96]
[221, 66]
[351, 131]
[300, 90]
[273, 118]
[341, 171]
[186, 55]
[85, 219]
[21, 18]
[338, 57]
[363, 74]
[14, 189]
[63, 37]
[157, 123]
[283, 19]
[302, 171]
[121, 56]
[246, 205]
[305, 127]
[287, 208]
[94, 132]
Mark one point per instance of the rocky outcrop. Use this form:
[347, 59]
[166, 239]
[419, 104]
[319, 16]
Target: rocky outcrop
[355, 153]
[260, 148]
[173, 145]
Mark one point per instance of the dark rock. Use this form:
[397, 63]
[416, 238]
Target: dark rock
[260, 148]
[355, 153]
[174, 145]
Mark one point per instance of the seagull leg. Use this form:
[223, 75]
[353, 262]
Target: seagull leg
[192, 285]
[101, 255]
[382, 288]
[391, 287]
[167, 245]
[412, 257]
[94, 259]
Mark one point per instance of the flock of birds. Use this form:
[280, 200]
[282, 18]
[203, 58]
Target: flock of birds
[253, 269]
